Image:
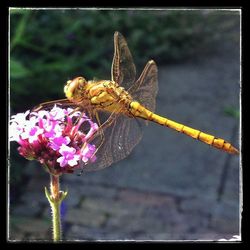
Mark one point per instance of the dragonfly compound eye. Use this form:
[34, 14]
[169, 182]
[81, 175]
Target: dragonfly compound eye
[81, 82]
[74, 88]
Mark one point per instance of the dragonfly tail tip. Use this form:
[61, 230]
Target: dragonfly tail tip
[233, 150]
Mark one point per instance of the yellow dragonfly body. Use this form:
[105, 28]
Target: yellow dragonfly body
[123, 100]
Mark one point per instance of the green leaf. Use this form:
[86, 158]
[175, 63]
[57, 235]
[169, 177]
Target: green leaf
[18, 70]
[233, 112]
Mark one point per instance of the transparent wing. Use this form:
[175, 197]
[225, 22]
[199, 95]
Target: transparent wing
[123, 69]
[145, 89]
[119, 140]
[114, 142]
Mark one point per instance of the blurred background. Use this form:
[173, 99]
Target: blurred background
[171, 187]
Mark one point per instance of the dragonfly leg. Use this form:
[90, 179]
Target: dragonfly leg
[75, 110]
[50, 103]
[100, 132]
[102, 127]
[106, 124]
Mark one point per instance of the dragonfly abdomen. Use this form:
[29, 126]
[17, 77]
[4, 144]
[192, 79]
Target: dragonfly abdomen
[138, 110]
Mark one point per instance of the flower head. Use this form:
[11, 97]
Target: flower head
[54, 138]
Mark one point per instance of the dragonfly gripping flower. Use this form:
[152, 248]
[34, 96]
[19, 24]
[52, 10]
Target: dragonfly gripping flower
[55, 138]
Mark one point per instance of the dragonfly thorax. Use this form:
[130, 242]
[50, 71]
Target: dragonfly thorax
[108, 95]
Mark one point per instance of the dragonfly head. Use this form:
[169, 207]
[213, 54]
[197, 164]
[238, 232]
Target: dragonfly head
[74, 89]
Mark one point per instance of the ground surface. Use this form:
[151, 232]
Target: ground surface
[168, 188]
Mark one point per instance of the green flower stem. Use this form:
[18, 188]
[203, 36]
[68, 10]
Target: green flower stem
[55, 199]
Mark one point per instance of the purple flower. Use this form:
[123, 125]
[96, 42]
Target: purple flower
[31, 133]
[69, 156]
[54, 139]
[57, 142]
[88, 153]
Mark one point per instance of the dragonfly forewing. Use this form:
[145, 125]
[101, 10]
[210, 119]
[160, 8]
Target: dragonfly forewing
[123, 70]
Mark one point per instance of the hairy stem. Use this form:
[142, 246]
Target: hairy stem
[55, 206]
[55, 198]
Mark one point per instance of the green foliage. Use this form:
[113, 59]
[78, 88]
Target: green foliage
[233, 112]
[48, 47]
[18, 70]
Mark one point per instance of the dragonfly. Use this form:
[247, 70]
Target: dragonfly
[122, 106]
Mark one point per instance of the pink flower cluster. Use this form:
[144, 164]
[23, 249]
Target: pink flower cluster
[55, 138]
